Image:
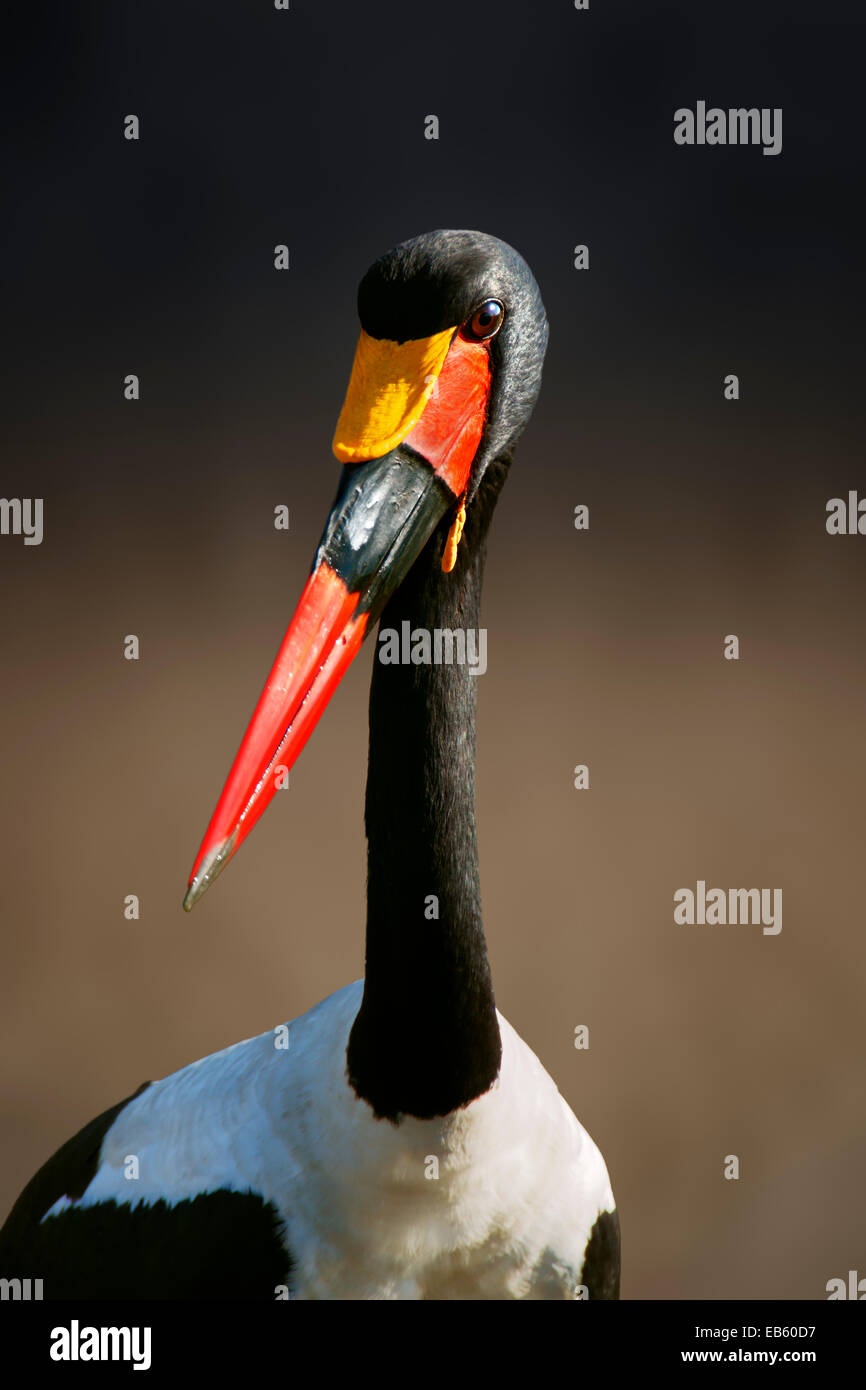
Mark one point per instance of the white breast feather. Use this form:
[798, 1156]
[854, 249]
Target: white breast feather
[520, 1182]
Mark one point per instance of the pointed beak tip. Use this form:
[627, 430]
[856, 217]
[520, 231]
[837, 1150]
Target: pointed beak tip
[192, 895]
[210, 868]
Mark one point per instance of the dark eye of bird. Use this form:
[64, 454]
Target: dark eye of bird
[485, 322]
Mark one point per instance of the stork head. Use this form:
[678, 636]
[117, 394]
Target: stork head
[464, 307]
[446, 372]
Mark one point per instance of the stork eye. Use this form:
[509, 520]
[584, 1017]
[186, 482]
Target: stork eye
[485, 322]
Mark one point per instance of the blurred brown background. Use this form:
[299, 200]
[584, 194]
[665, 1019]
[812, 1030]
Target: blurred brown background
[605, 647]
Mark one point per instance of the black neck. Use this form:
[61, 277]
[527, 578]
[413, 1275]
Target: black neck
[426, 1039]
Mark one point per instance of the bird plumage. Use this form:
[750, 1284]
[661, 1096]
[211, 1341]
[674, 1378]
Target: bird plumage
[498, 1199]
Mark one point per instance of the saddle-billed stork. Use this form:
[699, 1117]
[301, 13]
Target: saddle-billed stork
[399, 1140]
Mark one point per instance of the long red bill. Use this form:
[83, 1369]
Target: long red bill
[386, 509]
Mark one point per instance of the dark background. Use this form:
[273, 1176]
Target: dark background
[707, 518]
